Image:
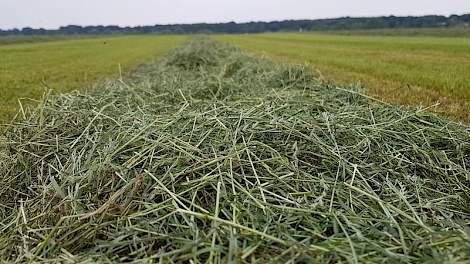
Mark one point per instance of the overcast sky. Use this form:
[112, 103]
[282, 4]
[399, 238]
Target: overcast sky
[55, 13]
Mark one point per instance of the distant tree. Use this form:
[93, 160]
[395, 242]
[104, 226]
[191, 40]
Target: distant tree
[343, 23]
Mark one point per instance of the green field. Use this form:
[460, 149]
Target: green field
[8, 40]
[27, 70]
[410, 32]
[403, 70]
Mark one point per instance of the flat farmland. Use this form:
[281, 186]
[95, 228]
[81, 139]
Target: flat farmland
[27, 70]
[398, 69]
[212, 155]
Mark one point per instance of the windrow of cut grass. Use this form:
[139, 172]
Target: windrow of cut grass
[210, 155]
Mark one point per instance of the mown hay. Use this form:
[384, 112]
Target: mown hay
[212, 155]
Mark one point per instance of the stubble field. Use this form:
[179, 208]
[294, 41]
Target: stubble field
[29, 67]
[406, 70]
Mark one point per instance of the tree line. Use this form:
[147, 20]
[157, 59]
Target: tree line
[344, 23]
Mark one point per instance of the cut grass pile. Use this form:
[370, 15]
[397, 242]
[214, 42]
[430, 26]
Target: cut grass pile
[210, 155]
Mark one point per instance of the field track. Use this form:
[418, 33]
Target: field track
[210, 155]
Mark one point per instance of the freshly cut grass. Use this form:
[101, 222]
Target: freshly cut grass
[210, 155]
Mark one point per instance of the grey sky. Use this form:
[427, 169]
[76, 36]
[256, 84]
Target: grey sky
[54, 13]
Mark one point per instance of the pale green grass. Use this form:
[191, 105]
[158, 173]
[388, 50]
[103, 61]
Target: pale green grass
[404, 70]
[7, 40]
[28, 70]
[412, 32]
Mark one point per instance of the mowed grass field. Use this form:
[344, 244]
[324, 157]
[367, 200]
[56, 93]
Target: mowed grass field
[27, 70]
[398, 69]
[410, 32]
